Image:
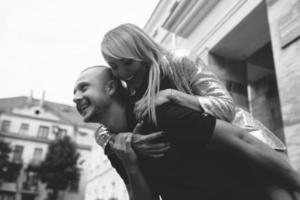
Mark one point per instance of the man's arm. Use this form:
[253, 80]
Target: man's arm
[137, 186]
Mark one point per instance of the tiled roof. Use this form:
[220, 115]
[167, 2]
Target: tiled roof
[68, 114]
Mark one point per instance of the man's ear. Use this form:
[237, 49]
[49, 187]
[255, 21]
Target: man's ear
[111, 87]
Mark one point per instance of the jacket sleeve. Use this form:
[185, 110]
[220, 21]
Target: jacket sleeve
[213, 97]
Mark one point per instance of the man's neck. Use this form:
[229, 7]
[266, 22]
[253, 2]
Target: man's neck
[117, 121]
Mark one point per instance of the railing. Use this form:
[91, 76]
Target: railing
[30, 187]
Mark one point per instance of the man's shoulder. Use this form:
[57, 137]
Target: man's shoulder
[172, 113]
[173, 110]
[172, 106]
[187, 129]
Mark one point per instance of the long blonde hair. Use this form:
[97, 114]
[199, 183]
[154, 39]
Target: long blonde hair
[128, 41]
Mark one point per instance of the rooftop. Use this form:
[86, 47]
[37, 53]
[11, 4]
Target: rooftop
[67, 114]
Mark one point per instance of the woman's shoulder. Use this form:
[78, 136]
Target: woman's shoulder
[185, 57]
[186, 62]
[180, 52]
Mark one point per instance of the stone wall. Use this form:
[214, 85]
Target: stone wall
[287, 67]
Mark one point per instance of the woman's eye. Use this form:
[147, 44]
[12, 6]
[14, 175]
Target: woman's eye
[113, 67]
[127, 61]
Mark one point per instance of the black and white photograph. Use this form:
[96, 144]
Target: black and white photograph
[150, 100]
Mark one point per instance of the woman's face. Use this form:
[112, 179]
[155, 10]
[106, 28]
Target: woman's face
[131, 71]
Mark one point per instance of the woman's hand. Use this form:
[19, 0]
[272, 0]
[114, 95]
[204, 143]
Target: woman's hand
[146, 145]
[162, 97]
[121, 145]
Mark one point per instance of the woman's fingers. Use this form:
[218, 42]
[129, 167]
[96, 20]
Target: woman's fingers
[160, 147]
[122, 147]
[146, 145]
[138, 127]
[157, 155]
[137, 138]
[127, 141]
[122, 144]
[153, 152]
[119, 142]
[143, 114]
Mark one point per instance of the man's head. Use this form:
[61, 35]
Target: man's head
[95, 92]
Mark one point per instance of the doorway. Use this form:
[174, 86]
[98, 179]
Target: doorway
[243, 60]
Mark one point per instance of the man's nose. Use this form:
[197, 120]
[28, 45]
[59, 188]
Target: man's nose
[77, 96]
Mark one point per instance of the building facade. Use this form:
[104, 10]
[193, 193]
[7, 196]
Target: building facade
[29, 125]
[104, 183]
[252, 46]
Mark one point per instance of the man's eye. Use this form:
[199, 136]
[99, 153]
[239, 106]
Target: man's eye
[84, 88]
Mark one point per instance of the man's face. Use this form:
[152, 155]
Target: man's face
[90, 96]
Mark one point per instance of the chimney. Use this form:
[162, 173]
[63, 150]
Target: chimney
[30, 97]
[42, 99]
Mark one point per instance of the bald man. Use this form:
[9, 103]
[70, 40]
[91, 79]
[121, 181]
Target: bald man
[209, 158]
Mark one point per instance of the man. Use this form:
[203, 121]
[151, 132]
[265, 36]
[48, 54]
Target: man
[208, 159]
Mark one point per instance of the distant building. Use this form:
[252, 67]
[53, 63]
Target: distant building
[253, 47]
[29, 125]
[104, 183]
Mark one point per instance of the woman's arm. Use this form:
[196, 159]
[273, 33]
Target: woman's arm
[137, 186]
[180, 98]
[208, 95]
[196, 88]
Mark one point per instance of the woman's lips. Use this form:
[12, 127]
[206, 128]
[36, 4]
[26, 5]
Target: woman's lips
[129, 78]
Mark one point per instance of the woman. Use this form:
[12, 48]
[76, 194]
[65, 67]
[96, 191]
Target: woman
[136, 59]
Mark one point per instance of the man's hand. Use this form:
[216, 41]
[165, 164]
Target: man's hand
[121, 145]
[145, 144]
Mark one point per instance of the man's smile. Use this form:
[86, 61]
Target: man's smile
[83, 106]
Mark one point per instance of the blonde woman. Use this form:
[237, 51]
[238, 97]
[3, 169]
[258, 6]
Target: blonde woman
[138, 60]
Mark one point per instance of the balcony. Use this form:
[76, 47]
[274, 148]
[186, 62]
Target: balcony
[11, 172]
[28, 187]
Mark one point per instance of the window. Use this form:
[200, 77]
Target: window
[18, 152]
[37, 154]
[43, 132]
[83, 134]
[24, 128]
[61, 133]
[113, 194]
[7, 195]
[31, 182]
[74, 185]
[5, 126]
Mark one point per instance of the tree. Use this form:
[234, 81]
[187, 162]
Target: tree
[59, 169]
[4, 156]
[9, 171]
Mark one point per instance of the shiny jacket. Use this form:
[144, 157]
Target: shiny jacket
[214, 99]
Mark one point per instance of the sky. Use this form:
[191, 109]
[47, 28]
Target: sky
[45, 44]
